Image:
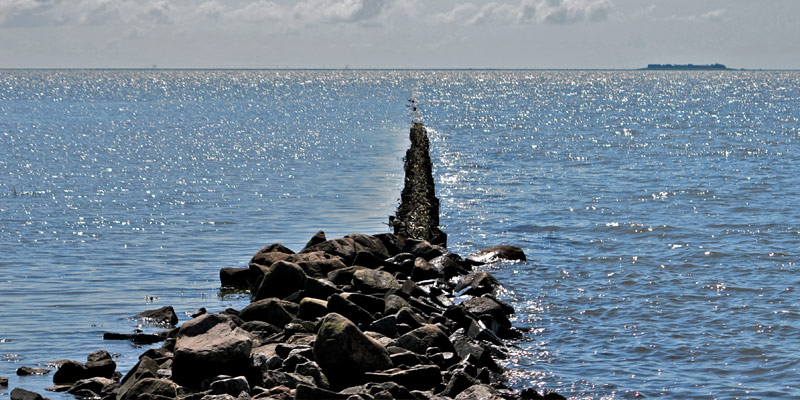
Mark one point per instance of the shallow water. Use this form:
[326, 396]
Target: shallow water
[657, 209]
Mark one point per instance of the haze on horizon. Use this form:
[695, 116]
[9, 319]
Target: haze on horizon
[397, 34]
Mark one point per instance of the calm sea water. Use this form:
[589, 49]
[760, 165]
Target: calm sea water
[658, 209]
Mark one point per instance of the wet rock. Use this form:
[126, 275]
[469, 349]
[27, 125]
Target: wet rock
[25, 371]
[94, 385]
[3, 381]
[318, 238]
[100, 364]
[420, 339]
[70, 371]
[137, 338]
[233, 277]
[448, 267]
[269, 254]
[498, 253]
[162, 316]
[479, 392]
[269, 310]
[148, 387]
[22, 394]
[311, 309]
[280, 280]
[231, 386]
[424, 249]
[478, 283]
[491, 311]
[207, 346]
[344, 352]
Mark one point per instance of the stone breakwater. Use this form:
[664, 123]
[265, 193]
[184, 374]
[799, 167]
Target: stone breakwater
[385, 316]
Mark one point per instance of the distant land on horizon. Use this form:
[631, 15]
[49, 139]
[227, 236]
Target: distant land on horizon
[686, 67]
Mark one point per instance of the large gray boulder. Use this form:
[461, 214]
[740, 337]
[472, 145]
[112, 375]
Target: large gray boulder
[208, 346]
[344, 352]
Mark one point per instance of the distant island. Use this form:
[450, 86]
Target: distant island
[685, 67]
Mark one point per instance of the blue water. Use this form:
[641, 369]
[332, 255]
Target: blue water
[658, 209]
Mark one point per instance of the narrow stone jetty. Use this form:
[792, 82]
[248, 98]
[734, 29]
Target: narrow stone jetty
[418, 214]
[362, 317]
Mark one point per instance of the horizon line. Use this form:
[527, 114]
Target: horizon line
[370, 69]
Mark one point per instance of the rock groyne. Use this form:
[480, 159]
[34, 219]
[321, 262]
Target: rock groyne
[362, 317]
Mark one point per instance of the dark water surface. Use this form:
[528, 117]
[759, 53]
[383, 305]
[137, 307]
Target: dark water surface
[659, 210]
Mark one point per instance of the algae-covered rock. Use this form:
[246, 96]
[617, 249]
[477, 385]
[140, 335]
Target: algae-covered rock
[341, 349]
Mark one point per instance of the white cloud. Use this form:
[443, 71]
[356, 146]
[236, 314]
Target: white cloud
[528, 11]
[718, 15]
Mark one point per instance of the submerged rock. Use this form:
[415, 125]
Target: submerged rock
[162, 316]
[498, 253]
[23, 394]
[25, 371]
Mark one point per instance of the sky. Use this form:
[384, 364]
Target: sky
[538, 34]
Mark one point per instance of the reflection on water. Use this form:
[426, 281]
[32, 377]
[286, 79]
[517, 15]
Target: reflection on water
[657, 209]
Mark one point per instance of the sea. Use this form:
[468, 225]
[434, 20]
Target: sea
[659, 210]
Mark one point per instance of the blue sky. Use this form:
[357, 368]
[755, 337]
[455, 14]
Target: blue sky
[398, 34]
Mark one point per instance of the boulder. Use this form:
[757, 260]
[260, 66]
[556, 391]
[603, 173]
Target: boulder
[370, 244]
[497, 253]
[320, 288]
[389, 241]
[448, 266]
[163, 316]
[3, 381]
[479, 392]
[145, 368]
[316, 264]
[423, 270]
[339, 304]
[318, 238]
[280, 280]
[208, 346]
[478, 283]
[311, 309]
[94, 385]
[373, 304]
[420, 339]
[100, 364]
[374, 281]
[312, 370]
[22, 394]
[239, 278]
[70, 372]
[344, 352]
[421, 248]
[148, 387]
[459, 381]
[490, 309]
[269, 310]
[231, 386]
[269, 254]
[345, 248]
